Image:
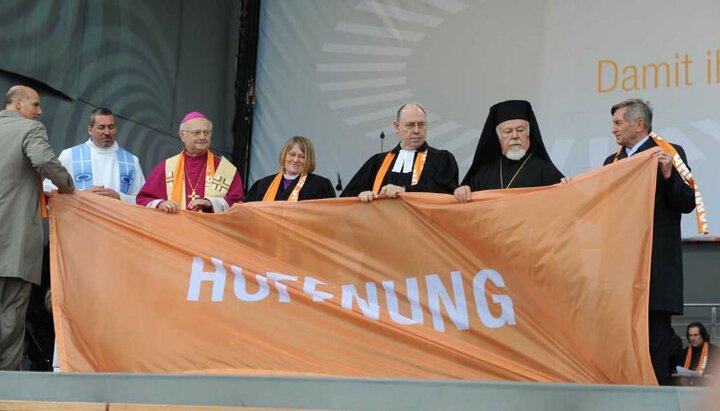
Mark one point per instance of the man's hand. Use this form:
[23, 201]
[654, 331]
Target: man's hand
[367, 196]
[103, 191]
[391, 190]
[199, 204]
[462, 194]
[665, 162]
[169, 206]
[566, 180]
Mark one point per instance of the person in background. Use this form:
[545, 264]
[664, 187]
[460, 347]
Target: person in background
[700, 355]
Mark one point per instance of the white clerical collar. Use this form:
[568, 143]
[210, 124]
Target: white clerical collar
[631, 151]
[289, 177]
[114, 147]
[404, 161]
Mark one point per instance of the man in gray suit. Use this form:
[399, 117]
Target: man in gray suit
[26, 157]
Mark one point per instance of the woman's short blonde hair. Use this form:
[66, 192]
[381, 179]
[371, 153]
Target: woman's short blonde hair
[306, 146]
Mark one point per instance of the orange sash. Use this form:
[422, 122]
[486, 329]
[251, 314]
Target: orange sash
[417, 169]
[43, 203]
[179, 176]
[702, 363]
[275, 185]
[684, 172]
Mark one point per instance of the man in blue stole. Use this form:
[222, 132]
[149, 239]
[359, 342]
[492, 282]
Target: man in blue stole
[100, 165]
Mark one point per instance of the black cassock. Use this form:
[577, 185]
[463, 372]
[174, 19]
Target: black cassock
[439, 175]
[316, 187]
[536, 172]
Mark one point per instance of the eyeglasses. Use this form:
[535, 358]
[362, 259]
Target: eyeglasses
[196, 133]
[411, 126]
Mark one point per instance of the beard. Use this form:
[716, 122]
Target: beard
[515, 153]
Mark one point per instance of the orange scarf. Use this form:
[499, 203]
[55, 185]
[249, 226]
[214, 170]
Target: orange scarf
[179, 176]
[417, 169]
[275, 185]
[703, 358]
[684, 172]
[43, 203]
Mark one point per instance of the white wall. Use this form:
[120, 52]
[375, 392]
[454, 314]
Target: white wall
[336, 71]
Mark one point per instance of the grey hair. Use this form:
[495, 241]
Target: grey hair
[182, 125]
[499, 133]
[635, 108]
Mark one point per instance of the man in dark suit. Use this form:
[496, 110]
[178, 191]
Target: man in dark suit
[632, 127]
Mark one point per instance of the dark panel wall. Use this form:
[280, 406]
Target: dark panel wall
[42, 40]
[148, 61]
[702, 272]
[702, 284]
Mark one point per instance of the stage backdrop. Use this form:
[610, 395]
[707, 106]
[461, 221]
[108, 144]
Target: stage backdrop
[336, 71]
[520, 285]
[150, 62]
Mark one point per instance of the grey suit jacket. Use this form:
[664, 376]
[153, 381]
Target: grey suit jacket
[25, 156]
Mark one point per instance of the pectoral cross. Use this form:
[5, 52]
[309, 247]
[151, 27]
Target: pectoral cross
[193, 196]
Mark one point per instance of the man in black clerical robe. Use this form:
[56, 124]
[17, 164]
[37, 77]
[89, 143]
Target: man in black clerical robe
[412, 166]
[510, 153]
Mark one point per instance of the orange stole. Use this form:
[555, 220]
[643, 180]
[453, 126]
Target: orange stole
[275, 185]
[417, 169]
[179, 176]
[702, 363]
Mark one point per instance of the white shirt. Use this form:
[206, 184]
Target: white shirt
[105, 170]
[631, 151]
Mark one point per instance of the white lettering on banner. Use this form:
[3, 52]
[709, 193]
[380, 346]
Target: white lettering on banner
[369, 307]
[240, 286]
[441, 304]
[281, 288]
[197, 276]
[416, 314]
[309, 289]
[507, 315]
[700, 204]
[681, 167]
[436, 291]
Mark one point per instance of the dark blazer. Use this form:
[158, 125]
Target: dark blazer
[316, 187]
[673, 197]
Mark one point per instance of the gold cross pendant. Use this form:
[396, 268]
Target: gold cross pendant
[193, 196]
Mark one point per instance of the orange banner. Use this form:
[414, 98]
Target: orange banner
[541, 284]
